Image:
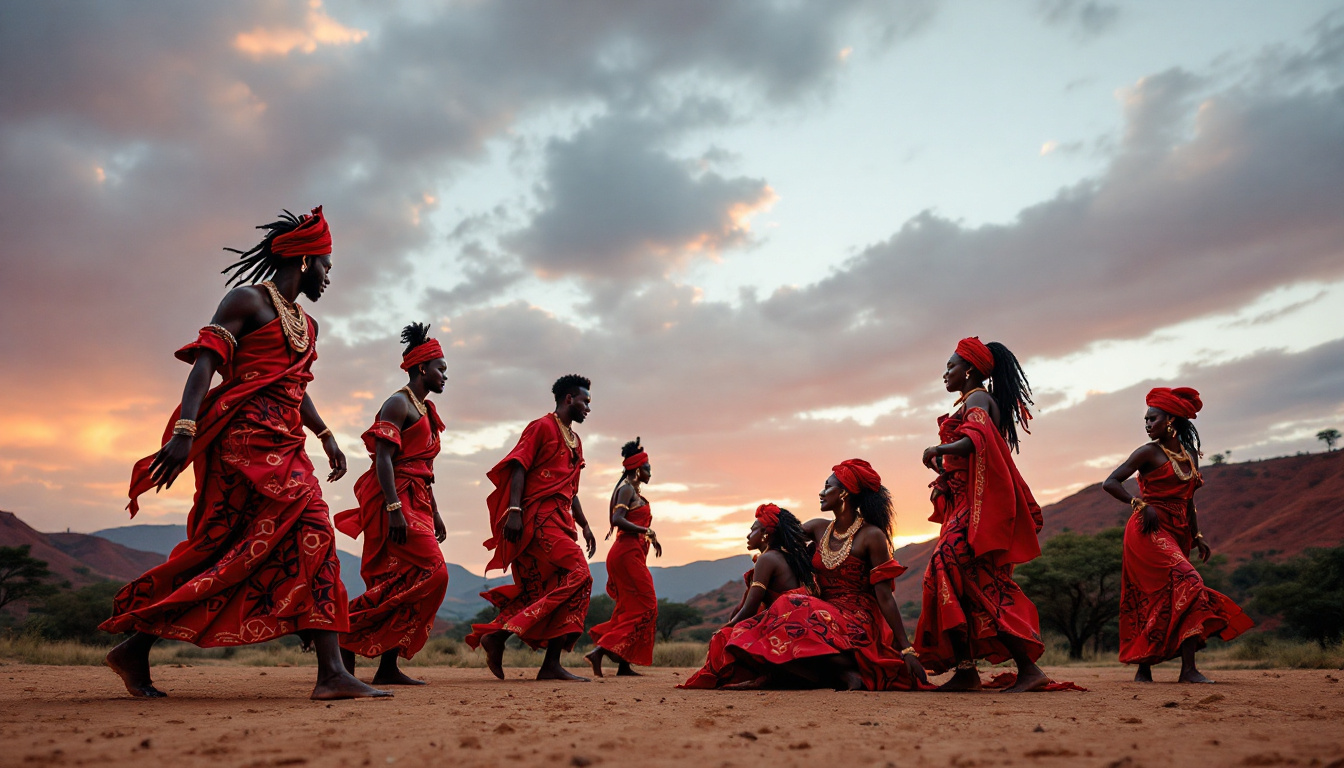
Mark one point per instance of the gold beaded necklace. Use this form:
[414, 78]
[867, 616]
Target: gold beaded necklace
[567, 434]
[1176, 459]
[966, 396]
[832, 559]
[292, 320]
[419, 406]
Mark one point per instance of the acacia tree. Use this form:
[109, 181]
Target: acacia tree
[1329, 437]
[1075, 584]
[21, 575]
[673, 616]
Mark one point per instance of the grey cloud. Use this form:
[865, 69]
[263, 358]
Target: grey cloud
[1088, 18]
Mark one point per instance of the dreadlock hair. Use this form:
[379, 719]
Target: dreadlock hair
[258, 263]
[1011, 391]
[875, 508]
[569, 384]
[1186, 433]
[628, 450]
[413, 336]
[788, 541]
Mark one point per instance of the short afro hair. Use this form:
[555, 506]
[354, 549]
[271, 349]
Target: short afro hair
[569, 384]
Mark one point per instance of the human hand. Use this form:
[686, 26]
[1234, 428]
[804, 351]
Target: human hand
[170, 461]
[440, 530]
[590, 540]
[915, 668]
[1204, 552]
[396, 527]
[657, 545]
[1148, 521]
[513, 525]
[930, 456]
[335, 457]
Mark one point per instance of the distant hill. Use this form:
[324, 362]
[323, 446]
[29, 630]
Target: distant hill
[76, 557]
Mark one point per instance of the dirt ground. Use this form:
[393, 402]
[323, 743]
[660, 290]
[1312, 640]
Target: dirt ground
[247, 716]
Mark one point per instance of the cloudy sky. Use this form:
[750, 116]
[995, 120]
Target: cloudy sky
[759, 226]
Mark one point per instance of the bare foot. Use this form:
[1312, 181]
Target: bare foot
[1028, 680]
[345, 686]
[850, 680]
[750, 685]
[624, 670]
[493, 645]
[594, 657]
[558, 672]
[133, 669]
[348, 660]
[1192, 675]
[395, 677]
[962, 680]
[1144, 675]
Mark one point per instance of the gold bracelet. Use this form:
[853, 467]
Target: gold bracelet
[323, 434]
[393, 507]
[759, 584]
[184, 427]
[1199, 537]
[909, 650]
[1137, 503]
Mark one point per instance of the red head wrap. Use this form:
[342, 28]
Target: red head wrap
[638, 460]
[857, 475]
[1181, 401]
[768, 514]
[310, 238]
[973, 351]
[421, 353]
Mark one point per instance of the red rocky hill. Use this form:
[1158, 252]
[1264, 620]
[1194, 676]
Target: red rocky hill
[78, 558]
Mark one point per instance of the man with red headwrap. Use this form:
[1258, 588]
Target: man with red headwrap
[403, 568]
[1165, 609]
[628, 635]
[534, 510]
[259, 561]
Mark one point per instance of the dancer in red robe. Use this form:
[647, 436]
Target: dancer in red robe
[972, 608]
[534, 510]
[782, 569]
[405, 577]
[259, 561]
[1165, 609]
[851, 636]
[627, 637]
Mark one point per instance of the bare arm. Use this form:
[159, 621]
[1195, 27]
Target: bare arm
[576, 509]
[311, 420]
[762, 574]
[624, 498]
[1141, 459]
[513, 523]
[876, 550]
[393, 412]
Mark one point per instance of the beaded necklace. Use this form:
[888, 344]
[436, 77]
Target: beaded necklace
[567, 434]
[292, 320]
[966, 396]
[419, 406]
[832, 559]
[1176, 459]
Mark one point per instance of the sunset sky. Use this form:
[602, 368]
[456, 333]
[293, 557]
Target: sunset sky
[760, 227]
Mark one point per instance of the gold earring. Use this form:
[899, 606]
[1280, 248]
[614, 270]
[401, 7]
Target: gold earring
[303, 266]
[1171, 430]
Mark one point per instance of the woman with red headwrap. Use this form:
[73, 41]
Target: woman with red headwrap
[782, 569]
[405, 577]
[627, 637]
[972, 608]
[1165, 609]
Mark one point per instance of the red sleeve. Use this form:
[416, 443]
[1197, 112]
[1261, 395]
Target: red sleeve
[529, 445]
[887, 571]
[382, 430]
[211, 339]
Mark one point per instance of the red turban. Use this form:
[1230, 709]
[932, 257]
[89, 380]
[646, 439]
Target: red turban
[638, 460]
[857, 475]
[973, 351]
[421, 353]
[1181, 401]
[768, 514]
[310, 238]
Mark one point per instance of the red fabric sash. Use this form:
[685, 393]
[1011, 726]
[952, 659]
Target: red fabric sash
[264, 360]
[1005, 519]
[551, 481]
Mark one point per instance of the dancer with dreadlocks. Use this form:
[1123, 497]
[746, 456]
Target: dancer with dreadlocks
[1165, 609]
[782, 570]
[403, 568]
[534, 510]
[972, 608]
[628, 636]
[259, 561]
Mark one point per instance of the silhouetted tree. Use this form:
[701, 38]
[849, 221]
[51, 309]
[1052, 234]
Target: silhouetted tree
[1308, 592]
[673, 616]
[75, 614]
[599, 610]
[22, 577]
[1075, 584]
[1329, 437]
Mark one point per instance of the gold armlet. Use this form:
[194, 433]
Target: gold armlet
[759, 584]
[324, 433]
[620, 506]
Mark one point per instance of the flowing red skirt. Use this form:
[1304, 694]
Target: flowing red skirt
[974, 597]
[1163, 600]
[259, 561]
[548, 598]
[630, 632]
[405, 585]
[722, 666]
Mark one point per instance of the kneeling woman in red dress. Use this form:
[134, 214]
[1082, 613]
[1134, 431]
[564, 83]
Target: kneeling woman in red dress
[972, 608]
[783, 569]
[1165, 609]
[851, 636]
[627, 637]
[405, 577]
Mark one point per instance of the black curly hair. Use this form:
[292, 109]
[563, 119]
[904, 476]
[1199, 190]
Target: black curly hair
[569, 384]
[628, 450]
[875, 508]
[1011, 391]
[258, 263]
[413, 336]
[789, 541]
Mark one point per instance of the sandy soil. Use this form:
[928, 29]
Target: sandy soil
[246, 716]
